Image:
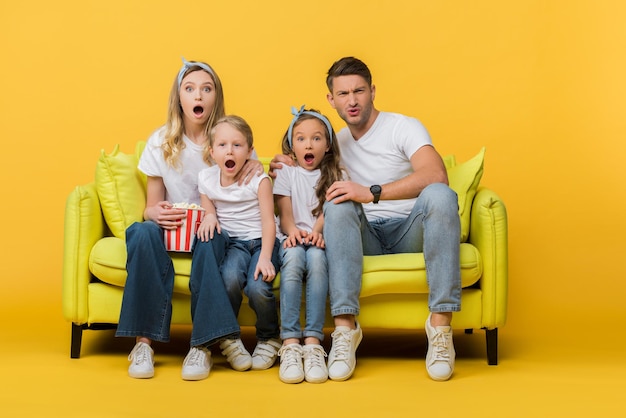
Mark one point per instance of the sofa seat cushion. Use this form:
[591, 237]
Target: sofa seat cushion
[393, 273]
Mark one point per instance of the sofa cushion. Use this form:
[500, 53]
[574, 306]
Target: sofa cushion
[121, 190]
[464, 179]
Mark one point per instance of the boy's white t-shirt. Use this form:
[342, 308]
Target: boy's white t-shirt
[383, 155]
[181, 185]
[237, 207]
[300, 185]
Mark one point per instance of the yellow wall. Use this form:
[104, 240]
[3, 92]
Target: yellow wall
[541, 86]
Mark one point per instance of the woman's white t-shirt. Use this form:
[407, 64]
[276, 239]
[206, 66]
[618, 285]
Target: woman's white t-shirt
[383, 155]
[237, 207]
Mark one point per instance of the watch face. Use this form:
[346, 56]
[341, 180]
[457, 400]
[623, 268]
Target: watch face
[375, 189]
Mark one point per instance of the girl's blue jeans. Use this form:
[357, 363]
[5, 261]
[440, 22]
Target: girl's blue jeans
[433, 227]
[303, 264]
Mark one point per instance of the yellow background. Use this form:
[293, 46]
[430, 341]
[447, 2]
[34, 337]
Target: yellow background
[540, 84]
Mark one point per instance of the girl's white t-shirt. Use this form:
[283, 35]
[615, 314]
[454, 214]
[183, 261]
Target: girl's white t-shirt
[300, 185]
[383, 155]
[181, 183]
[237, 207]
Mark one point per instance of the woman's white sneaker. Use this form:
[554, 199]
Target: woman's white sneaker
[197, 364]
[141, 361]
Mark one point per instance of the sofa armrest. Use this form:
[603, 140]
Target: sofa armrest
[84, 226]
[489, 234]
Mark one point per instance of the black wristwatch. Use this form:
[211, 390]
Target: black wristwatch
[376, 191]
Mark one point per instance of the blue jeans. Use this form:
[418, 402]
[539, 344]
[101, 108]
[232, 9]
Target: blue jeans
[237, 272]
[303, 263]
[147, 301]
[433, 227]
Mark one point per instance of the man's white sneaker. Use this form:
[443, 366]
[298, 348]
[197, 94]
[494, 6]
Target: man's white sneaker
[236, 354]
[265, 353]
[291, 370]
[197, 364]
[441, 354]
[315, 370]
[141, 361]
[342, 356]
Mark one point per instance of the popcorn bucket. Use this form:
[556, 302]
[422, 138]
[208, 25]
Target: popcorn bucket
[182, 239]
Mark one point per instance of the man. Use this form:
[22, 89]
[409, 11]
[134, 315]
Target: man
[396, 201]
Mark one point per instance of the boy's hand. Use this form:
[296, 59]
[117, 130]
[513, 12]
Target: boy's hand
[265, 268]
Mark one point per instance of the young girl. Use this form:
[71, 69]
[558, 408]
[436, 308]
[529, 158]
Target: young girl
[239, 221]
[172, 159]
[300, 194]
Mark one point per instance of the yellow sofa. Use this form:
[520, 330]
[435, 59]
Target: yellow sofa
[394, 289]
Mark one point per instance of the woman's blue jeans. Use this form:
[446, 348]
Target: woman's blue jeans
[303, 263]
[147, 301]
[237, 272]
[433, 227]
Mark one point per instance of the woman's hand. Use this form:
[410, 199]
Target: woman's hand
[166, 216]
[249, 169]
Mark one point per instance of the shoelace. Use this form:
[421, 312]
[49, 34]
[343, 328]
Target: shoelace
[139, 354]
[314, 357]
[441, 344]
[289, 356]
[195, 357]
[341, 344]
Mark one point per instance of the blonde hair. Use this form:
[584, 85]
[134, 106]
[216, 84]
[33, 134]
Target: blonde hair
[236, 122]
[175, 127]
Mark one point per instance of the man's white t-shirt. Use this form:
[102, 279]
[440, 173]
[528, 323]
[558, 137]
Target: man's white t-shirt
[237, 207]
[181, 185]
[383, 155]
[299, 184]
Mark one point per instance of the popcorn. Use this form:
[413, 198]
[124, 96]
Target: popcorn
[182, 238]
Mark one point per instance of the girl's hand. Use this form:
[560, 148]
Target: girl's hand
[316, 239]
[164, 215]
[265, 268]
[294, 238]
[207, 227]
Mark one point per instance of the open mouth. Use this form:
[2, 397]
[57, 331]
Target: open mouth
[229, 164]
[309, 158]
[198, 110]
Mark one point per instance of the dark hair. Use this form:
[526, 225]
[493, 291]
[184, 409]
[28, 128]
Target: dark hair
[348, 66]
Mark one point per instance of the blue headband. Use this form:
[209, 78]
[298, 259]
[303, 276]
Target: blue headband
[296, 115]
[187, 65]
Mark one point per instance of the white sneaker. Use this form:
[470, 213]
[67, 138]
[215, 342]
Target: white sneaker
[236, 354]
[141, 361]
[441, 354]
[342, 356]
[197, 364]
[265, 354]
[315, 370]
[291, 370]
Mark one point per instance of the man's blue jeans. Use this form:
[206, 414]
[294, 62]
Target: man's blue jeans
[433, 227]
[147, 301]
[303, 263]
[237, 272]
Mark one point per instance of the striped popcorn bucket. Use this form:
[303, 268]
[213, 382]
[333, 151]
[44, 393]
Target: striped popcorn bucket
[182, 239]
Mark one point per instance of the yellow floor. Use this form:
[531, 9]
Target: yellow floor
[560, 374]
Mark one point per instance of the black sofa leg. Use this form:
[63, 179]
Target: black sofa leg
[492, 346]
[77, 339]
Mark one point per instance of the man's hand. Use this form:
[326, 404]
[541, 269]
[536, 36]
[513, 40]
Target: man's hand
[341, 191]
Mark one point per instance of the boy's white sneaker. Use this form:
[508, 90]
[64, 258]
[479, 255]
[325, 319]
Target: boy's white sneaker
[441, 354]
[197, 364]
[265, 354]
[291, 370]
[236, 354]
[315, 370]
[342, 356]
[141, 361]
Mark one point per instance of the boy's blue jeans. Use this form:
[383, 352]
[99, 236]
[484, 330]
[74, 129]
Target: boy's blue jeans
[147, 301]
[237, 271]
[303, 263]
[433, 227]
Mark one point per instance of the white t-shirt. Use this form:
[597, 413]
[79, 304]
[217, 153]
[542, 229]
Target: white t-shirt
[383, 155]
[181, 185]
[300, 185]
[237, 207]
